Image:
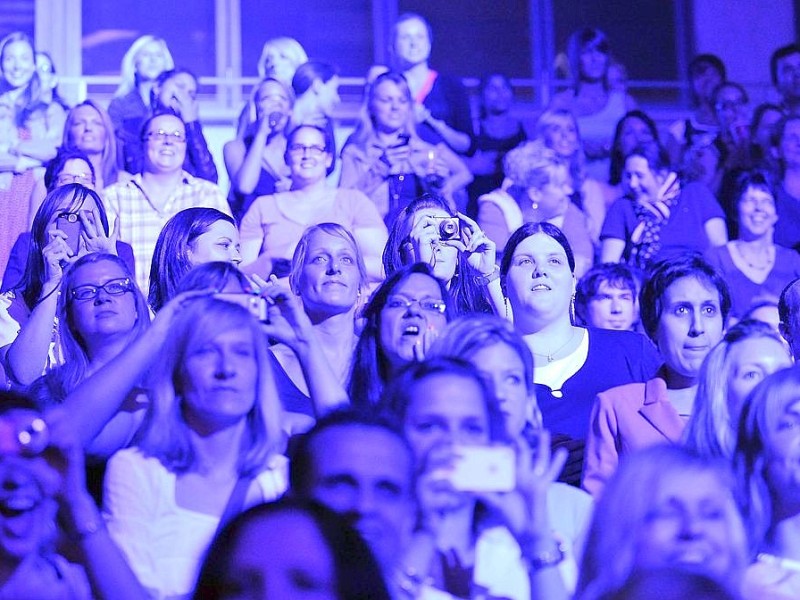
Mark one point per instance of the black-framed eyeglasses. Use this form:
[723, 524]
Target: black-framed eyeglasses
[314, 150]
[176, 137]
[430, 305]
[112, 287]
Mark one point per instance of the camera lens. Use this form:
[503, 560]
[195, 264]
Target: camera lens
[448, 228]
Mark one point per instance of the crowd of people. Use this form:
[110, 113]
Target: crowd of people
[472, 360]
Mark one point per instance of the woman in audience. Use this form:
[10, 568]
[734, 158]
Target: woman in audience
[749, 352]
[193, 236]
[706, 72]
[558, 129]
[636, 128]
[274, 224]
[144, 61]
[388, 161]
[684, 305]
[19, 82]
[402, 319]
[279, 60]
[597, 108]
[313, 363]
[658, 217]
[573, 364]
[498, 132]
[88, 128]
[765, 462]
[53, 247]
[255, 162]
[538, 190]
[732, 112]
[787, 205]
[665, 507]
[762, 130]
[321, 555]
[471, 538]
[100, 312]
[752, 264]
[500, 354]
[462, 258]
[208, 448]
[441, 106]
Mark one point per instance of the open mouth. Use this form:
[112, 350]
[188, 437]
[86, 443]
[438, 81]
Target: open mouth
[411, 330]
[540, 287]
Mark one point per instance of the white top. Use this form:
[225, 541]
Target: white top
[164, 543]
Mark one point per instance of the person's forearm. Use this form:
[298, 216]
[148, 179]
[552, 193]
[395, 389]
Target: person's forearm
[27, 356]
[457, 140]
[324, 388]
[249, 173]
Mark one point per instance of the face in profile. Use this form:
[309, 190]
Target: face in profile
[300, 565]
[220, 242]
[692, 524]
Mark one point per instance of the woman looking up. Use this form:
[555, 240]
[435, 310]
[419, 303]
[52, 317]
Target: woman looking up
[441, 106]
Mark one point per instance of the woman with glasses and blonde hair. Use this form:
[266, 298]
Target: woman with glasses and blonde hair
[274, 224]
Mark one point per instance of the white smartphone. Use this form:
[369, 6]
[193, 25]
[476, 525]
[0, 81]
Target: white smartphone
[484, 469]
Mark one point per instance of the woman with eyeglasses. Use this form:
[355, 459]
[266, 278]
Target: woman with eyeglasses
[70, 222]
[274, 224]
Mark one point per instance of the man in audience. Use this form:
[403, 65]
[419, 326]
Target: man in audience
[785, 70]
[362, 467]
[606, 297]
[143, 205]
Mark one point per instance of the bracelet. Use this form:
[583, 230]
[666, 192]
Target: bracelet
[547, 558]
[490, 277]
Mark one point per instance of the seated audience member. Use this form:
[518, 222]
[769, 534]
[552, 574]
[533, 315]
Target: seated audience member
[607, 298]
[558, 129]
[670, 583]
[100, 312]
[665, 508]
[144, 204]
[49, 95]
[498, 132]
[219, 277]
[597, 108]
[463, 257]
[317, 554]
[70, 222]
[684, 304]
[316, 90]
[659, 217]
[174, 91]
[387, 160]
[312, 365]
[636, 128]
[572, 364]
[789, 313]
[732, 110]
[537, 189]
[402, 319]
[89, 129]
[762, 131]
[147, 57]
[784, 65]
[749, 352]
[360, 465]
[503, 358]
[192, 237]
[787, 205]
[274, 224]
[765, 463]
[507, 547]
[209, 444]
[441, 105]
[255, 161]
[754, 267]
[706, 72]
[41, 474]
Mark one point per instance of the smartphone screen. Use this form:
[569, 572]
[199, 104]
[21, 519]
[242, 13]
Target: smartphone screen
[255, 304]
[484, 469]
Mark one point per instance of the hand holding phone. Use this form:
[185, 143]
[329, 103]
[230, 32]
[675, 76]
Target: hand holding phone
[483, 469]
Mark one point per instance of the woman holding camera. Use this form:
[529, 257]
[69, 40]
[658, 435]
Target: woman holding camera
[274, 224]
[388, 161]
[452, 244]
[482, 535]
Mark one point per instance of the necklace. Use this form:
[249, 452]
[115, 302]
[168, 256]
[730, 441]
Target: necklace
[767, 258]
[551, 356]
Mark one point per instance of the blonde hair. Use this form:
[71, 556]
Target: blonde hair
[286, 45]
[128, 67]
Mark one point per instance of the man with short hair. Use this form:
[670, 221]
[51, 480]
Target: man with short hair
[785, 70]
[361, 466]
[144, 204]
